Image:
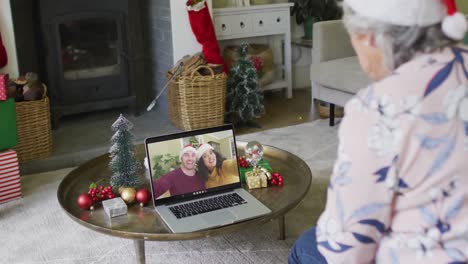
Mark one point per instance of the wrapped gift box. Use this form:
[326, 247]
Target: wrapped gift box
[8, 131]
[10, 184]
[262, 163]
[114, 207]
[256, 179]
[3, 86]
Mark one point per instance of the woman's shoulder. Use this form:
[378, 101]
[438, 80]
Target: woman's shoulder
[228, 163]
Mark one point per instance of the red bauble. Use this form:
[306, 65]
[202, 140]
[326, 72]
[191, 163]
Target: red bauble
[85, 201]
[143, 196]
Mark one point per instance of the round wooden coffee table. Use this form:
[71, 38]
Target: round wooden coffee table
[142, 224]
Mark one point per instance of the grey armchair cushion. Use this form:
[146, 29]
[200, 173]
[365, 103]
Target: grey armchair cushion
[335, 72]
[331, 41]
[343, 74]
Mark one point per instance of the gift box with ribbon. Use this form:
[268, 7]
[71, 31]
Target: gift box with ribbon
[3, 86]
[262, 163]
[257, 178]
[8, 131]
[10, 184]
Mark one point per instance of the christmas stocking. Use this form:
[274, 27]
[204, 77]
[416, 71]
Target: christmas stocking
[3, 54]
[203, 29]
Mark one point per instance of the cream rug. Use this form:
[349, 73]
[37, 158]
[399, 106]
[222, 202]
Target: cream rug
[35, 229]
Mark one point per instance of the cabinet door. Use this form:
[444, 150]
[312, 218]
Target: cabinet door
[270, 22]
[232, 25]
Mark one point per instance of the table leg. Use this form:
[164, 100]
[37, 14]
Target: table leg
[139, 250]
[282, 232]
[332, 114]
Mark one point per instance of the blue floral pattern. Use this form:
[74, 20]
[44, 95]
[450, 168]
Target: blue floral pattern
[398, 193]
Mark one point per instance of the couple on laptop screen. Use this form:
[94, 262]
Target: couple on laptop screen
[209, 165]
[197, 187]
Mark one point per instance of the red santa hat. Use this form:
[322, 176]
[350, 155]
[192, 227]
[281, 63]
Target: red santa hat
[415, 13]
[187, 148]
[202, 149]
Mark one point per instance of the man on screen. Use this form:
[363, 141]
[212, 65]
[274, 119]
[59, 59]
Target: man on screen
[182, 180]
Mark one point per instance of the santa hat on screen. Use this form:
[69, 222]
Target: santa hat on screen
[415, 13]
[201, 149]
[187, 148]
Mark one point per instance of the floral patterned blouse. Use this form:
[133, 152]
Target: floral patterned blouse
[399, 189]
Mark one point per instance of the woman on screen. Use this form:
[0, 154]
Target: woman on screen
[214, 168]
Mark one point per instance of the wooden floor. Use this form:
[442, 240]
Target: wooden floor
[282, 112]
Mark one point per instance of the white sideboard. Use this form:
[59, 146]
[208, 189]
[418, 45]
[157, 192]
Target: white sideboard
[258, 21]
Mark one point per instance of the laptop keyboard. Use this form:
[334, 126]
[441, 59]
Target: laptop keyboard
[207, 205]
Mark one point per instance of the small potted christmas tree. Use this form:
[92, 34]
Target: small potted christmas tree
[244, 99]
[123, 162]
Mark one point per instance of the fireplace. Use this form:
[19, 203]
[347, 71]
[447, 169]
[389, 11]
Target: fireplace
[90, 54]
[86, 60]
[96, 54]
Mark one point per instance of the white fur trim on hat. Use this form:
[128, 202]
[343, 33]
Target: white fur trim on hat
[415, 13]
[201, 150]
[455, 26]
[188, 148]
[401, 12]
[196, 7]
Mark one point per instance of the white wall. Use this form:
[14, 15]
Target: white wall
[8, 37]
[183, 40]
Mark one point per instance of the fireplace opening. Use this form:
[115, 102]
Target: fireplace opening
[89, 48]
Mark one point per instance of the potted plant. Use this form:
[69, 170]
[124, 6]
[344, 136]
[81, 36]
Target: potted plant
[311, 11]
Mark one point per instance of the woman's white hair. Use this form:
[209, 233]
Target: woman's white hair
[398, 44]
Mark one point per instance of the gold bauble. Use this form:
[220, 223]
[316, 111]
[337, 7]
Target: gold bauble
[128, 194]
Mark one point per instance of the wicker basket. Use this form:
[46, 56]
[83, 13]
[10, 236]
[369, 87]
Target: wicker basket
[197, 101]
[34, 129]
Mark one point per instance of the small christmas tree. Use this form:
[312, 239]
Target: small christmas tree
[244, 100]
[123, 164]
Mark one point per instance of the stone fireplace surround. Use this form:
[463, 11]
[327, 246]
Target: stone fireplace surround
[151, 57]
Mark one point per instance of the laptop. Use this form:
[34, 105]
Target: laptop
[189, 199]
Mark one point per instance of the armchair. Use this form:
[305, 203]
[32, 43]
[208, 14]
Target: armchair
[335, 73]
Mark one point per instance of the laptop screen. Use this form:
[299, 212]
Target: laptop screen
[192, 163]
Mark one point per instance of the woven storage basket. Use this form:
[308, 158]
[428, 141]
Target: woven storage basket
[34, 129]
[174, 103]
[197, 101]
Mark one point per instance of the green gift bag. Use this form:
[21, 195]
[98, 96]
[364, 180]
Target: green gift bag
[8, 133]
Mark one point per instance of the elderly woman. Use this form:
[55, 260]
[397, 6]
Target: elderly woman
[214, 168]
[399, 189]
